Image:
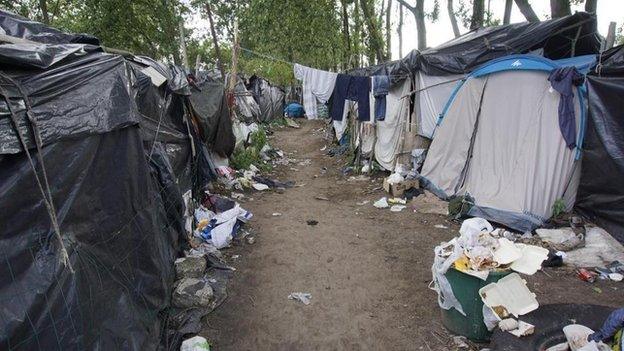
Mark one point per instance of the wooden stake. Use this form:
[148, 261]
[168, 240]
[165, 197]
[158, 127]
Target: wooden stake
[185, 61]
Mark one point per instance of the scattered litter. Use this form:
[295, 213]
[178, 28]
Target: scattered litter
[260, 186]
[301, 297]
[461, 343]
[250, 240]
[576, 335]
[597, 289]
[440, 226]
[586, 275]
[324, 148]
[362, 203]
[312, 222]
[509, 295]
[322, 198]
[397, 200]
[616, 277]
[305, 162]
[276, 214]
[235, 257]
[381, 203]
[508, 324]
[600, 248]
[360, 178]
[397, 208]
[523, 329]
[237, 196]
[531, 259]
[292, 124]
[196, 343]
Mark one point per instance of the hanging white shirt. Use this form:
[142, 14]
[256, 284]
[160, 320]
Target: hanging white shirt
[317, 85]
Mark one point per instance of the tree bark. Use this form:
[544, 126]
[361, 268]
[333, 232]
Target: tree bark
[591, 6]
[560, 8]
[507, 15]
[43, 7]
[419, 17]
[451, 14]
[610, 39]
[400, 31]
[389, 30]
[375, 38]
[478, 12]
[345, 33]
[185, 62]
[357, 40]
[215, 42]
[527, 10]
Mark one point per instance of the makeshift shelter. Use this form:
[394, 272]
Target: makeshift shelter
[441, 67]
[436, 72]
[270, 98]
[96, 150]
[500, 142]
[246, 106]
[114, 221]
[601, 189]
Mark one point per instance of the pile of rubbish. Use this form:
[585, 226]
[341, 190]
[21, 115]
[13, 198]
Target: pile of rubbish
[478, 251]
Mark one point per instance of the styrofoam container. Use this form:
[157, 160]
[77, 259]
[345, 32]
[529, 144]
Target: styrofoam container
[511, 293]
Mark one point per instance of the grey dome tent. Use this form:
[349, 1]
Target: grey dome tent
[499, 141]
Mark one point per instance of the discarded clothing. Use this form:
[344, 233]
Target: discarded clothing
[354, 89]
[294, 110]
[271, 183]
[613, 324]
[381, 86]
[564, 80]
[317, 86]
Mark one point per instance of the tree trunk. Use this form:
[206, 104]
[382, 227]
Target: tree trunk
[610, 39]
[559, 8]
[527, 10]
[185, 62]
[345, 34]
[419, 17]
[591, 5]
[375, 39]
[507, 15]
[357, 37]
[400, 31]
[478, 12]
[451, 13]
[389, 30]
[215, 42]
[43, 7]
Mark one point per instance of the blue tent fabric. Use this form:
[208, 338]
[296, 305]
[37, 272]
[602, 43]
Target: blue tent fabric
[294, 110]
[534, 63]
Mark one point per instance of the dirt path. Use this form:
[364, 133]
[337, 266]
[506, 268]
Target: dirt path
[367, 269]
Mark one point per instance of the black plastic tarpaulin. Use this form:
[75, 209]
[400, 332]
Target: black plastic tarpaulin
[559, 38]
[269, 97]
[209, 105]
[20, 27]
[117, 205]
[600, 194]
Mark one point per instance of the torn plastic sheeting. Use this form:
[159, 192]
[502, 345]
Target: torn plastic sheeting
[70, 105]
[21, 27]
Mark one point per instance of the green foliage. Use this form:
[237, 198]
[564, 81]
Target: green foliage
[558, 208]
[244, 157]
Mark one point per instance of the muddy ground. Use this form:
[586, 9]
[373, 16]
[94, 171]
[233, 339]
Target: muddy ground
[368, 270]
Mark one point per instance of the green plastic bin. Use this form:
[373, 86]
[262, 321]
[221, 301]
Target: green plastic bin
[466, 290]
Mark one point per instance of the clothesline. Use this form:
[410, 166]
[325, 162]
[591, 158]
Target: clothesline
[273, 58]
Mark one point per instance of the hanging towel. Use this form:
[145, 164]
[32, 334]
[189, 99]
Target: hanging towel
[381, 85]
[354, 89]
[564, 80]
[317, 86]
